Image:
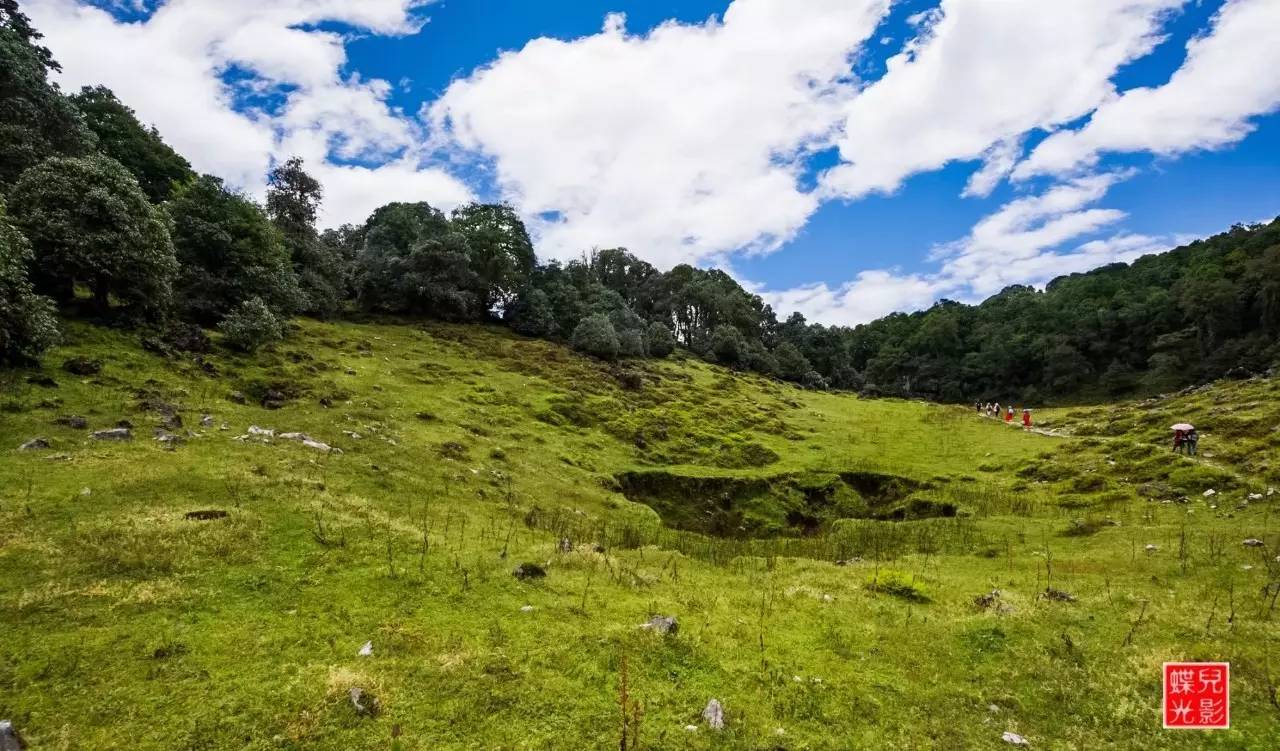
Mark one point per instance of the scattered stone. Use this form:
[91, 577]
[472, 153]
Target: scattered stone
[168, 439]
[690, 728]
[35, 444]
[714, 715]
[1253, 542]
[1151, 548]
[264, 432]
[206, 421]
[238, 397]
[828, 598]
[1255, 496]
[993, 709]
[85, 492]
[366, 650]
[172, 422]
[205, 515]
[1014, 739]
[1210, 493]
[526, 608]
[273, 399]
[1057, 595]
[526, 571]
[662, 624]
[73, 421]
[987, 601]
[115, 434]
[82, 366]
[565, 545]
[9, 738]
[352, 435]
[320, 446]
[365, 703]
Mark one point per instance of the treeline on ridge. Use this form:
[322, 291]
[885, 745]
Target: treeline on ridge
[99, 217]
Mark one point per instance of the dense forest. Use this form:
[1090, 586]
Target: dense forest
[100, 218]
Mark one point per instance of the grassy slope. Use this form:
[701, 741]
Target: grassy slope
[126, 625]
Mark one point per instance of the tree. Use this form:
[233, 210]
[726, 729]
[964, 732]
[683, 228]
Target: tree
[499, 247]
[595, 336]
[415, 262]
[727, 346]
[90, 223]
[293, 200]
[792, 365]
[531, 314]
[631, 343]
[228, 252]
[36, 120]
[158, 168]
[27, 323]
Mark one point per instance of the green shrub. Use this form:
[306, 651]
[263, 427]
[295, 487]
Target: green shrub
[251, 325]
[659, 341]
[595, 336]
[27, 323]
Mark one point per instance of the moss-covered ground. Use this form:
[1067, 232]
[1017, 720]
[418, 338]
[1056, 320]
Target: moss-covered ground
[823, 555]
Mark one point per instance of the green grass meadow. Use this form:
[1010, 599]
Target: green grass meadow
[822, 553]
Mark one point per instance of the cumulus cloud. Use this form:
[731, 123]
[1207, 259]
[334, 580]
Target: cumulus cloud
[1026, 241]
[1229, 76]
[680, 144]
[171, 67]
[980, 74]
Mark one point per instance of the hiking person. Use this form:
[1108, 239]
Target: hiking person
[995, 412]
[977, 407]
[1179, 438]
[1191, 439]
[1026, 419]
[1008, 416]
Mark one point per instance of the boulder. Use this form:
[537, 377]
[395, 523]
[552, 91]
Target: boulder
[238, 397]
[171, 422]
[366, 650]
[82, 366]
[364, 703]
[72, 421]
[1253, 542]
[1014, 739]
[115, 434]
[662, 624]
[713, 715]
[167, 438]
[9, 738]
[526, 571]
[264, 432]
[35, 444]
[273, 399]
[206, 421]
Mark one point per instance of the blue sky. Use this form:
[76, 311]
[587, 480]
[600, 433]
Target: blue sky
[822, 152]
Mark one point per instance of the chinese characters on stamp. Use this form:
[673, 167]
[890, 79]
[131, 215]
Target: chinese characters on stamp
[1197, 695]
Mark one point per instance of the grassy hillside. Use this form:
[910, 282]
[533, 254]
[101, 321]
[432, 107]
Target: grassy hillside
[822, 555]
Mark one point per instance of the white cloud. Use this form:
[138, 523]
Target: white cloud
[169, 68]
[1229, 76]
[680, 144]
[1020, 243]
[981, 73]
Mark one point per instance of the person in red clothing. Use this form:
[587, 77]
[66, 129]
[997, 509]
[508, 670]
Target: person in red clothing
[1026, 419]
[1008, 416]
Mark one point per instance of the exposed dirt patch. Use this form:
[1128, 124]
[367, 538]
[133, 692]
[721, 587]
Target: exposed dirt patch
[784, 504]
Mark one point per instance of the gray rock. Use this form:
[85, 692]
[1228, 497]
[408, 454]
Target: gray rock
[662, 624]
[526, 571]
[167, 438]
[365, 703]
[171, 422]
[1014, 739]
[206, 421]
[1253, 542]
[35, 444]
[238, 397]
[9, 738]
[115, 434]
[73, 421]
[713, 715]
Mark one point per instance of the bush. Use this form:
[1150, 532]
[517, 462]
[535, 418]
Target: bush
[813, 380]
[792, 365]
[897, 584]
[659, 341]
[531, 314]
[27, 323]
[595, 336]
[631, 343]
[250, 326]
[728, 346]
